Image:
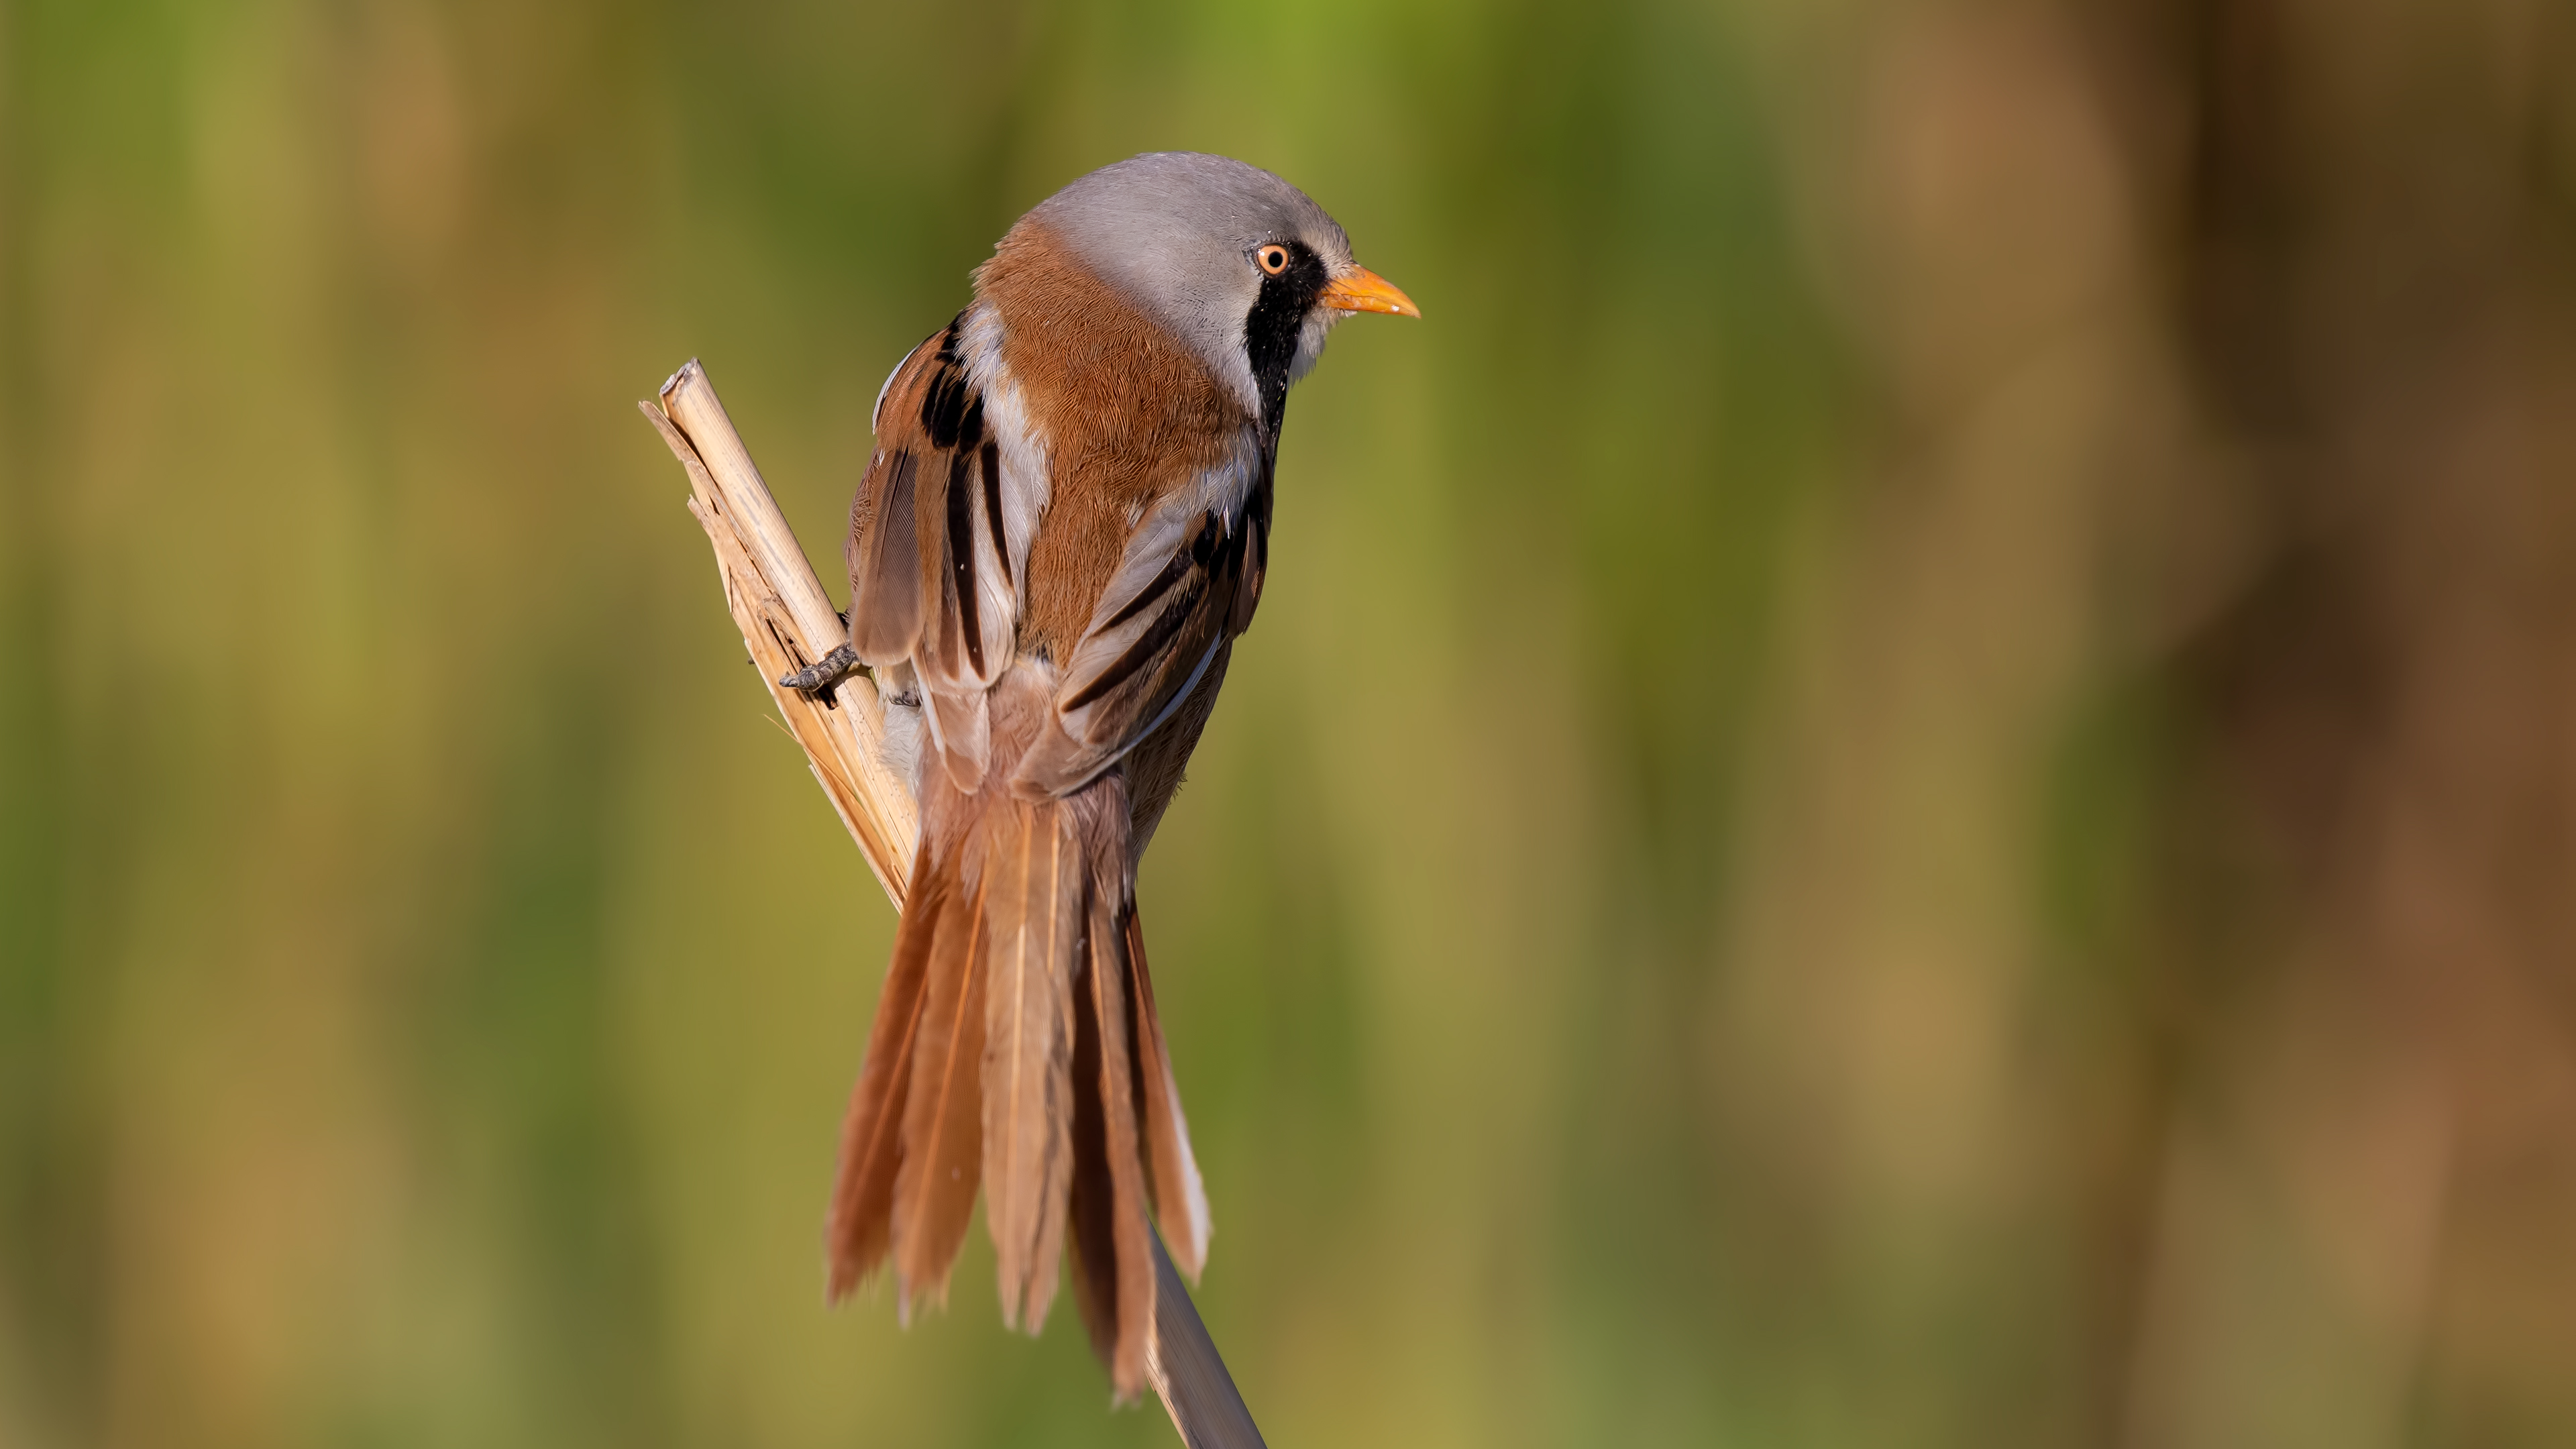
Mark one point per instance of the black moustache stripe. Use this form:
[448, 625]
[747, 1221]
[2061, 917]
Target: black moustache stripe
[1270, 330]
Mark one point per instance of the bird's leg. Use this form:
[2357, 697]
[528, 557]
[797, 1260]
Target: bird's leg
[816, 679]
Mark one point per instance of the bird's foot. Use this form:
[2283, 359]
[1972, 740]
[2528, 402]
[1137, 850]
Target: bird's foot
[816, 679]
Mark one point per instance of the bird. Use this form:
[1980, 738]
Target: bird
[1063, 527]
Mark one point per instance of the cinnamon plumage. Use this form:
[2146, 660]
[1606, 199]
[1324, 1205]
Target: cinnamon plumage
[1064, 526]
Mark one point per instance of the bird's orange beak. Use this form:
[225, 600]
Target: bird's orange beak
[1362, 290]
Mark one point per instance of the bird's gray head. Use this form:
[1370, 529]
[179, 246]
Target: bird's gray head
[1242, 267]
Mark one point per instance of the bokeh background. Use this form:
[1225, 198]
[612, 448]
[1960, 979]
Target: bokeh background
[1909, 780]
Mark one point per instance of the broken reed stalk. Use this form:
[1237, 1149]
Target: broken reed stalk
[788, 622]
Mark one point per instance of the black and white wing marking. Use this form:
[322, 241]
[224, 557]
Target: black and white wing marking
[930, 571]
[1188, 580]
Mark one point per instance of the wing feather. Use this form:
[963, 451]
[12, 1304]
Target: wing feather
[1188, 581]
[885, 562]
[931, 577]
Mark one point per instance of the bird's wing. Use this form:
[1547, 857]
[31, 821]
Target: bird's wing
[1188, 580]
[930, 573]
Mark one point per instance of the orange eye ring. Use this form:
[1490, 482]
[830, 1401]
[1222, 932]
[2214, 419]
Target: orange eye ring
[1272, 258]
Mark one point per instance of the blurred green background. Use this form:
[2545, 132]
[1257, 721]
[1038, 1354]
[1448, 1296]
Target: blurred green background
[1909, 780]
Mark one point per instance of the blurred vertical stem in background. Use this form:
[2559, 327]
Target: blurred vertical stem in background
[2369, 1184]
[1932, 1073]
[2228, 363]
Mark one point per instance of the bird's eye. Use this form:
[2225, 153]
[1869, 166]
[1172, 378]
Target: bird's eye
[1273, 259]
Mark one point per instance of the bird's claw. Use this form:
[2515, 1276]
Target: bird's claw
[817, 678]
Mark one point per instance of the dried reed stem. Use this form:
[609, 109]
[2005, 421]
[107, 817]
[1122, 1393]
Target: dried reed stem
[788, 622]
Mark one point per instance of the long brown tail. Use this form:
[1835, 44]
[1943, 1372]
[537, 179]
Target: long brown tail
[1016, 1046]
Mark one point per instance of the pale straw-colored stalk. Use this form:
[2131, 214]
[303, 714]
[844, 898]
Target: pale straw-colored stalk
[787, 623]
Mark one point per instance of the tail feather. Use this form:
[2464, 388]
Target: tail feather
[1113, 1258]
[859, 1231]
[1016, 1048]
[1035, 890]
[1180, 1198]
[934, 1189]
